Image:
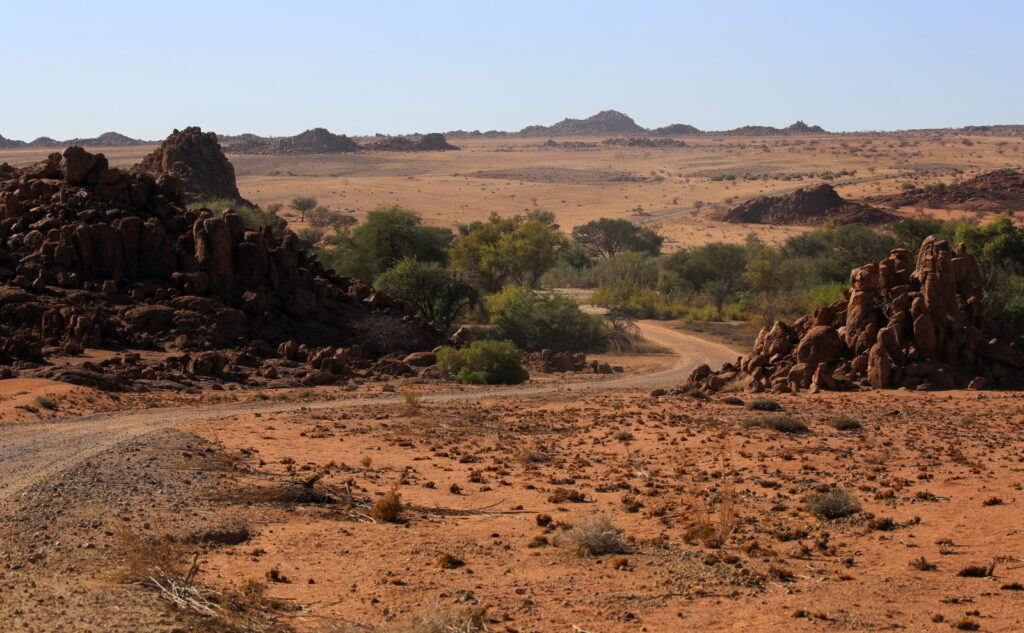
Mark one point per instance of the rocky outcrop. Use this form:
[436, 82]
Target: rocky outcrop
[195, 159]
[914, 323]
[1001, 190]
[811, 205]
[92, 256]
[427, 143]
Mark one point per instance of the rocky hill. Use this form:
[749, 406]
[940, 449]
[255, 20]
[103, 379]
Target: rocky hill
[108, 139]
[1001, 190]
[195, 159]
[98, 257]
[322, 141]
[918, 324]
[602, 123]
[811, 206]
[427, 143]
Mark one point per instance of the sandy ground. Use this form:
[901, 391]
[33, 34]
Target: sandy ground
[713, 504]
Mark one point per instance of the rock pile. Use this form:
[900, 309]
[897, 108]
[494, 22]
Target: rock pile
[919, 325]
[98, 257]
[1001, 190]
[427, 143]
[195, 159]
[811, 205]
[547, 361]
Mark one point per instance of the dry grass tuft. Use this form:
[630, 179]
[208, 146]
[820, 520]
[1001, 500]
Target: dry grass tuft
[714, 531]
[833, 504]
[389, 507]
[413, 402]
[594, 535]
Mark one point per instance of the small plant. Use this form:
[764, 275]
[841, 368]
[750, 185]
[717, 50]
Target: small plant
[764, 404]
[45, 402]
[594, 535]
[734, 400]
[844, 423]
[389, 507]
[966, 625]
[780, 423]
[922, 564]
[977, 571]
[412, 402]
[833, 504]
[624, 436]
[714, 532]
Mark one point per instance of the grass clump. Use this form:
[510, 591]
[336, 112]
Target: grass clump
[833, 504]
[977, 571]
[734, 400]
[389, 507]
[483, 363]
[46, 402]
[764, 404]
[844, 423]
[594, 535]
[780, 423]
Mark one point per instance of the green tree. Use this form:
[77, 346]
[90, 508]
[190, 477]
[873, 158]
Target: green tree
[434, 292]
[606, 237]
[537, 321]
[303, 204]
[504, 250]
[388, 235]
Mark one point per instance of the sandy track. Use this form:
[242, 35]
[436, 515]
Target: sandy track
[31, 452]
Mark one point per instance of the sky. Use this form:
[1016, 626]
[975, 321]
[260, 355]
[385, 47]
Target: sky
[78, 69]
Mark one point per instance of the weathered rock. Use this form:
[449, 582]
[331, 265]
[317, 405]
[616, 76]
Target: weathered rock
[913, 323]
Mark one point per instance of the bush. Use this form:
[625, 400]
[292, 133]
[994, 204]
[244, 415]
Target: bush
[764, 404]
[535, 321]
[388, 235]
[434, 292]
[592, 536]
[780, 423]
[833, 504]
[483, 363]
[844, 423]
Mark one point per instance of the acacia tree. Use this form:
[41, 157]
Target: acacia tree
[433, 291]
[607, 237]
[513, 249]
[303, 204]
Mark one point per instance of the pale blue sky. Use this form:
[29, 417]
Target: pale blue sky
[140, 68]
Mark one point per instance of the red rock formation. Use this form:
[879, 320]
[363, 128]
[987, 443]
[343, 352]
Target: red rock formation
[93, 256]
[919, 326]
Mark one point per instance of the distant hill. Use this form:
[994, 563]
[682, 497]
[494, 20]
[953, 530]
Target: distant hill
[108, 139]
[6, 143]
[614, 123]
[602, 123]
[322, 141]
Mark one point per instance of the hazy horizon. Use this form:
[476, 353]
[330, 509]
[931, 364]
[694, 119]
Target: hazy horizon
[403, 67]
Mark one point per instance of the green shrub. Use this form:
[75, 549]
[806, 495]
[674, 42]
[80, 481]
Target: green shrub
[536, 321]
[483, 363]
[833, 504]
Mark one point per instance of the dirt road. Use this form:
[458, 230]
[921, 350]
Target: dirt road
[30, 452]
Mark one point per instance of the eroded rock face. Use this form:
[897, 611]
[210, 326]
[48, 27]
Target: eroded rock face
[912, 323]
[92, 256]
